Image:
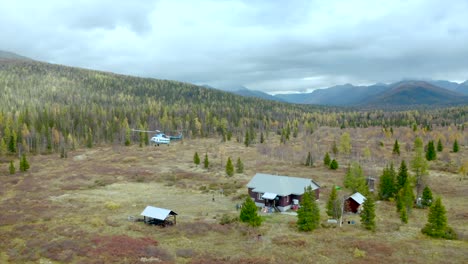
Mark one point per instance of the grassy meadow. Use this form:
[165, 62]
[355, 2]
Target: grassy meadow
[76, 210]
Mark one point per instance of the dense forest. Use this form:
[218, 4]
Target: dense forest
[48, 108]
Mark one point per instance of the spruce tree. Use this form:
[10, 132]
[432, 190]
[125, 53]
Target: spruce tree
[431, 153]
[248, 213]
[196, 159]
[419, 164]
[334, 148]
[206, 162]
[12, 143]
[387, 186]
[127, 136]
[396, 148]
[247, 139]
[440, 147]
[334, 164]
[405, 200]
[404, 216]
[229, 167]
[308, 161]
[456, 148]
[368, 214]
[63, 152]
[3, 147]
[142, 139]
[252, 135]
[426, 199]
[308, 215]
[333, 204]
[402, 176]
[12, 167]
[239, 166]
[345, 144]
[89, 139]
[407, 196]
[437, 222]
[146, 138]
[327, 160]
[24, 164]
[355, 180]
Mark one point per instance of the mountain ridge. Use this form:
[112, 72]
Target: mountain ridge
[350, 95]
[419, 92]
[406, 93]
[7, 55]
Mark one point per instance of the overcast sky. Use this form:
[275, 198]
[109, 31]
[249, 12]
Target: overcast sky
[267, 45]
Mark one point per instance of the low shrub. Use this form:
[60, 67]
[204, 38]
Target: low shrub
[359, 253]
[124, 248]
[185, 253]
[289, 241]
[228, 219]
[448, 233]
[112, 206]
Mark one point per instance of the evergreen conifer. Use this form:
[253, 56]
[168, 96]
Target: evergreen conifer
[206, 162]
[431, 153]
[437, 222]
[456, 148]
[334, 164]
[196, 159]
[249, 213]
[368, 214]
[396, 148]
[333, 204]
[426, 199]
[440, 147]
[229, 167]
[327, 160]
[387, 186]
[308, 161]
[239, 166]
[12, 167]
[308, 215]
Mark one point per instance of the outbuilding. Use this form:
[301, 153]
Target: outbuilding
[354, 202]
[159, 216]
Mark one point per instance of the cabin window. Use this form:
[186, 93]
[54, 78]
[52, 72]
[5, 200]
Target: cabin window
[287, 199]
[259, 196]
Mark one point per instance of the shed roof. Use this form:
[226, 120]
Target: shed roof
[359, 198]
[156, 212]
[280, 185]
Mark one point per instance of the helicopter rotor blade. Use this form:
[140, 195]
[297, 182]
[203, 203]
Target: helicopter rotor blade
[146, 131]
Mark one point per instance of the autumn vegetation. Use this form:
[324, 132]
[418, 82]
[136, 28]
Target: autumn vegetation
[72, 169]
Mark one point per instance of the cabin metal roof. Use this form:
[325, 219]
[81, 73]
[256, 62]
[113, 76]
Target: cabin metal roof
[156, 212]
[280, 185]
[359, 198]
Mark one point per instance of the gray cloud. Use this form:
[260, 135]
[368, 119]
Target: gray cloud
[266, 45]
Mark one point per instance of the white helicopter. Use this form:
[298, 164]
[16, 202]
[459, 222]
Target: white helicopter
[160, 138]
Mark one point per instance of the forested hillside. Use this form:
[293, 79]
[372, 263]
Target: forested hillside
[50, 108]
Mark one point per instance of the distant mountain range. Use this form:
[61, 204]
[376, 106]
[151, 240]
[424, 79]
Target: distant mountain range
[397, 95]
[400, 94]
[243, 91]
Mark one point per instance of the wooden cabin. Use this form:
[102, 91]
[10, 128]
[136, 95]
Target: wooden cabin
[279, 192]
